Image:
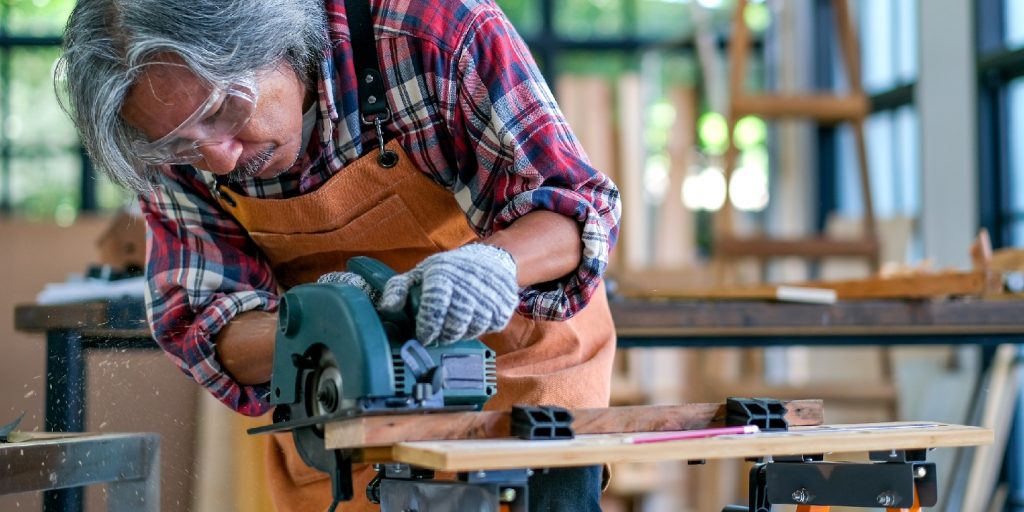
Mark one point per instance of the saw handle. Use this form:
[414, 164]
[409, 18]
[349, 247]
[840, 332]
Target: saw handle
[377, 274]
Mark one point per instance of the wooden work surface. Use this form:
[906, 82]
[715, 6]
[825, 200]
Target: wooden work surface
[471, 455]
[123, 318]
[636, 318]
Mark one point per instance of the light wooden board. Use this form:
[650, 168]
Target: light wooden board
[997, 413]
[388, 430]
[469, 455]
[973, 283]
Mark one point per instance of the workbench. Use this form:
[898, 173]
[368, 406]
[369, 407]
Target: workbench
[646, 323]
[790, 468]
[128, 463]
[72, 329]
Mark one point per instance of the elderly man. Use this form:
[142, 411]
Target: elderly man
[271, 141]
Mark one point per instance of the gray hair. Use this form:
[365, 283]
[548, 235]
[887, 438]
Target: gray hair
[107, 44]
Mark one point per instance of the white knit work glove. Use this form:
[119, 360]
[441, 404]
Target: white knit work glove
[465, 292]
[352, 279]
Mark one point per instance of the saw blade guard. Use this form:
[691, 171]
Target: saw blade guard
[335, 321]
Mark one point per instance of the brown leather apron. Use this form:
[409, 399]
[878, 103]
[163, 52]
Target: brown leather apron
[400, 216]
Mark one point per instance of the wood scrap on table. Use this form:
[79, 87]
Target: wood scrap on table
[386, 430]
[995, 274]
[975, 283]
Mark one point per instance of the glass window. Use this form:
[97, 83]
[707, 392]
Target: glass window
[664, 19]
[38, 17]
[1014, 28]
[1015, 163]
[524, 14]
[41, 165]
[906, 40]
[1001, 119]
[894, 166]
[888, 40]
[44, 159]
[582, 19]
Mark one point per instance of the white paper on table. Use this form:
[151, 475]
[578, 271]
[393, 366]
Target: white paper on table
[83, 289]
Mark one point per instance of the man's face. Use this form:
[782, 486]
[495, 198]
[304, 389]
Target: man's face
[167, 93]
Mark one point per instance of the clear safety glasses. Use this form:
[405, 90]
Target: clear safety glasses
[219, 118]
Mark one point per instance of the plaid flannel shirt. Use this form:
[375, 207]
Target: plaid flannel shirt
[472, 111]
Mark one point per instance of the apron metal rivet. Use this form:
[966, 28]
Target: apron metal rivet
[371, 100]
[387, 159]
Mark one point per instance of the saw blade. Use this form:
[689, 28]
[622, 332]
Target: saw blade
[322, 395]
[327, 392]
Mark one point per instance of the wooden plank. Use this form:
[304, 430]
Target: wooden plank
[981, 251]
[945, 284]
[632, 250]
[1001, 394]
[675, 231]
[388, 430]
[823, 108]
[813, 247]
[468, 455]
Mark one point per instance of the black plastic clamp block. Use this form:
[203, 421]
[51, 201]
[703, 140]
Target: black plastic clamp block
[541, 422]
[768, 414]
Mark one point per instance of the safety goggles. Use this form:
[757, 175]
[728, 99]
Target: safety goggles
[219, 118]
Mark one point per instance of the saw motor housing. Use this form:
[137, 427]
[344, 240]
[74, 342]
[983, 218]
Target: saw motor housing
[335, 352]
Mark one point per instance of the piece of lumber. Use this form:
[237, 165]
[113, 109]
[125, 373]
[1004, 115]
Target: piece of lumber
[387, 430]
[633, 248]
[812, 247]
[820, 107]
[943, 284]
[493, 454]
[981, 251]
[998, 409]
[675, 232]
[974, 283]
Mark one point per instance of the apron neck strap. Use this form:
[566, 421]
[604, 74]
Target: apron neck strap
[373, 103]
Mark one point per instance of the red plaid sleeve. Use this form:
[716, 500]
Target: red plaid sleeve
[202, 270]
[517, 154]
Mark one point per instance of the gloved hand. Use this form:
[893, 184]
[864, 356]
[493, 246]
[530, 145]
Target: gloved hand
[465, 292]
[353, 279]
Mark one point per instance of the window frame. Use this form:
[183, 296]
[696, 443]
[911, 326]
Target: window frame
[8, 43]
[887, 101]
[998, 66]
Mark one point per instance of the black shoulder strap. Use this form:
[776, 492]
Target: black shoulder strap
[372, 100]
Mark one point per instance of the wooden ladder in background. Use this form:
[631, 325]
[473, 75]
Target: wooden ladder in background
[743, 370]
[851, 107]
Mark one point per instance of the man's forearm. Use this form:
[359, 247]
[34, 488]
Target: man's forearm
[545, 246]
[245, 346]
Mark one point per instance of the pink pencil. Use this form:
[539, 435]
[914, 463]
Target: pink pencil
[693, 434]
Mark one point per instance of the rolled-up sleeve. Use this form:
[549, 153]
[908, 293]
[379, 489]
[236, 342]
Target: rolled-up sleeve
[202, 270]
[516, 154]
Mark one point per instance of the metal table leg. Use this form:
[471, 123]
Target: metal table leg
[65, 404]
